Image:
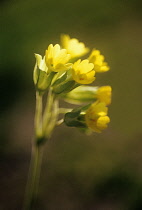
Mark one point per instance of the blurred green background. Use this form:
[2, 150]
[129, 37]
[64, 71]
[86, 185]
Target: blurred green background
[97, 172]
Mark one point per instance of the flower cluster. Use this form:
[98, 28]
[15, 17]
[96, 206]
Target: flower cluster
[62, 71]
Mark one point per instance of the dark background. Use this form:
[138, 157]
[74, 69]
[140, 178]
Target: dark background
[79, 172]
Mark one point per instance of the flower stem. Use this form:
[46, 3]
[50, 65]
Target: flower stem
[33, 179]
[36, 158]
[38, 115]
[44, 125]
[48, 111]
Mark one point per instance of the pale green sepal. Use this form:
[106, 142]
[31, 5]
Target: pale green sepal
[39, 66]
[36, 68]
[41, 63]
[60, 80]
[35, 74]
[38, 59]
[44, 80]
[81, 94]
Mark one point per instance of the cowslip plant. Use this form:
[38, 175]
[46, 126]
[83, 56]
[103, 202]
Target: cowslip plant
[61, 74]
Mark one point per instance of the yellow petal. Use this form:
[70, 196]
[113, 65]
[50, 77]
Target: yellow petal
[104, 94]
[73, 46]
[102, 122]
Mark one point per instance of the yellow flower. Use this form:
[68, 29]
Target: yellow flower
[82, 72]
[73, 46]
[98, 60]
[96, 117]
[56, 58]
[104, 94]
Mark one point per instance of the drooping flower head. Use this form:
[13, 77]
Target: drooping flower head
[57, 59]
[73, 46]
[96, 117]
[83, 72]
[98, 60]
[84, 93]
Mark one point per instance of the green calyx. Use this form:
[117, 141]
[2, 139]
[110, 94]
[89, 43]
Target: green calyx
[64, 83]
[75, 118]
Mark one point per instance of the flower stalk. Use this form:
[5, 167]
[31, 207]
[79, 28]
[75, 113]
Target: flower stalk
[33, 178]
[38, 116]
[43, 130]
[36, 159]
